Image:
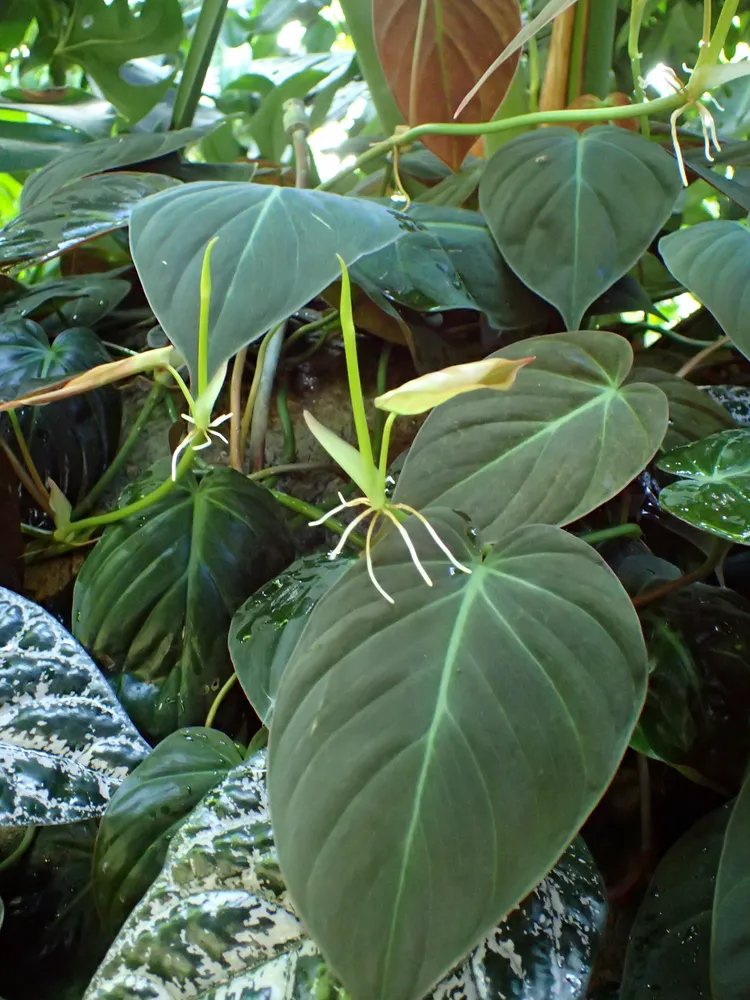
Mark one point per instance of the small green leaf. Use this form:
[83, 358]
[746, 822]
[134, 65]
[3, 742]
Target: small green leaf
[713, 491]
[560, 207]
[567, 438]
[147, 810]
[431, 812]
[80, 212]
[65, 742]
[730, 936]
[266, 628]
[360, 471]
[668, 951]
[281, 240]
[712, 260]
[693, 413]
[154, 599]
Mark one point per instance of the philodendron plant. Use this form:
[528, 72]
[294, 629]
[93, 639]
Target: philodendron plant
[410, 729]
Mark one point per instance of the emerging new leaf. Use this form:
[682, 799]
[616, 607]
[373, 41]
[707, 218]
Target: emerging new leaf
[428, 391]
[353, 463]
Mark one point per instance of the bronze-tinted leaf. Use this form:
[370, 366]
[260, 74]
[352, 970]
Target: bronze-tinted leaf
[434, 51]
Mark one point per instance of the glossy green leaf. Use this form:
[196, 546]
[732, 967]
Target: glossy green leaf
[24, 146]
[65, 742]
[560, 207]
[73, 441]
[64, 106]
[279, 240]
[105, 154]
[80, 212]
[565, 439]
[217, 919]
[267, 627]
[693, 413]
[102, 37]
[713, 488]
[82, 299]
[147, 810]
[712, 260]
[730, 938]
[513, 686]
[449, 261]
[154, 599]
[668, 951]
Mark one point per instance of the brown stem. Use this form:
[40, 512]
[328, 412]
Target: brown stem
[706, 568]
[41, 499]
[555, 87]
[697, 360]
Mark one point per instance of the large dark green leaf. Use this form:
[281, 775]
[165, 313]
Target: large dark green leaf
[730, 939]
[560, 206]
[105, 154]
[422, 741]
[668, 952]
[72, 441]
[80, 212]
[565, 439]
[82, 299]
[102, 37]
[267, 627]
[154, 600]
[216, 920]
[276, 250]
[65, 743]
[693, 414]
[24, 146]
[147, 810]
[712, 260]
[450, 261]
[713, 489]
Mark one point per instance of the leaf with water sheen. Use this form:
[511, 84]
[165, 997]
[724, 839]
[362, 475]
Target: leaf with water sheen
[267, 627]
[80, 212]
[65, 742]
[276, 251]
[147, 810]
[730, 936]
[567, 438]
[559, 206]
[434, 51]
[713, 489]
[218, 919]
[668, 951]
[154, 599]
[515, 685]
[712, 260]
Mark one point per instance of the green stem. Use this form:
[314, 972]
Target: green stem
[314, 514]
[198, 60]
[352, 370]
[606, 534]
[707, 21]
[152, 401]
[535, 78]
[21, 848]
[384, 446]
[637, 10]
[280, 470]
[28, 461]
[600, 44]
[578, 50]
[381, 385]
[204, 315]
[247, 416]
[226, 688]
[709, 54]
[318, 324]
[591, 115]
[287, 427]
[263, 393]
[113, 516]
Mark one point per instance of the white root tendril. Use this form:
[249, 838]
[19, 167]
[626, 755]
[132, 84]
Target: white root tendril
[208, 433]
[376, 513]
[710, 138]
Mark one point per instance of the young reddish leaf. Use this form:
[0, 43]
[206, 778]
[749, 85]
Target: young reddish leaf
[434, 51]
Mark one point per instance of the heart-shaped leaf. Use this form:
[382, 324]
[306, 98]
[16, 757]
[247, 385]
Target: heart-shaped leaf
[147, 810]
[280, 242]
[65, 742]
[560, 206]
[434, 51]
[267, 627]
[668, 951]
[730, 936]
[221, 879]
[693, 414]
[566, 438]
[431, 813]
[154, 599]
[105, 154]
[80, 212]
[712, 260]
[713, 491]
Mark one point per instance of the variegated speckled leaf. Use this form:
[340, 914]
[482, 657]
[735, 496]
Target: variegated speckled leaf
[65, 742]
[216, 923]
